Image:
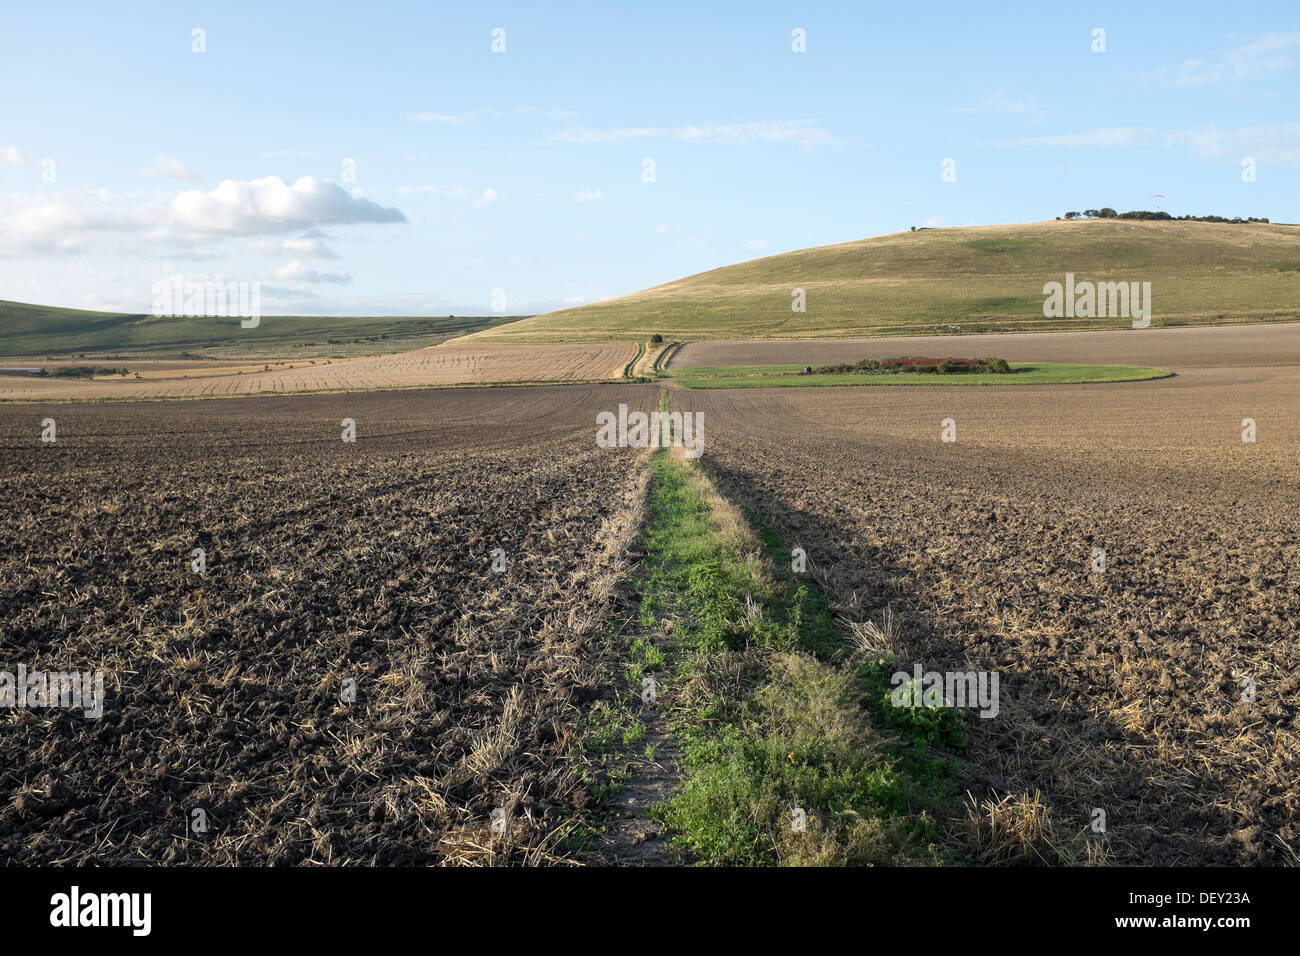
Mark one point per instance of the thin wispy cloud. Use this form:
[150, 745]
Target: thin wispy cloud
[488, 112]
[450, 192]
[297, 272]
[1277, 144]
[171, 167]
[307, 246]
[1263, 55]
[1118, 137]
[495, 262]
[454, 119]
[1001, 103]
[287, 154]
[806, 133]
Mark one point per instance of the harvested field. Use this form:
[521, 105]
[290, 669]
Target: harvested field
[1122, 690]
[451, 364]
[326, 561]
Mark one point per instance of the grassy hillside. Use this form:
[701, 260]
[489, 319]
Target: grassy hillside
[45, 331]
[983, 279]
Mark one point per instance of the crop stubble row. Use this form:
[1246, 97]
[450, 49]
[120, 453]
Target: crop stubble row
[326, 561]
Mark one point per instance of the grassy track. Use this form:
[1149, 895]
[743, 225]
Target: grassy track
[1024, 373]
[632, 363]
[767, 704]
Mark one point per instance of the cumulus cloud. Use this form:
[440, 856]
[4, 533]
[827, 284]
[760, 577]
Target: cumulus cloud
[10, 156]
[589, 195]
[270, 205]
[194, 223]
[74, 220]
[170, 167]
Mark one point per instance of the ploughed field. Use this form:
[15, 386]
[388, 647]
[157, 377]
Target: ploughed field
[1126, 689]
[1173, 348]
[326, 562]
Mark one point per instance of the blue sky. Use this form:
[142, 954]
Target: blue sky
[126, 156]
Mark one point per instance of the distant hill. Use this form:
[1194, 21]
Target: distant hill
[39, 331]
[984, 278]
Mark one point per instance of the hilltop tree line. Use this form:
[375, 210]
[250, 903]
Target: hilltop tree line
[1107, 213]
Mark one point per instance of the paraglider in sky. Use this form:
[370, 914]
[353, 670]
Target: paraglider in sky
[1158, 196]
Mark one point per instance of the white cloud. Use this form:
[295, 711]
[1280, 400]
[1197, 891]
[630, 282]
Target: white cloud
[460, 119]
[454, 119]
[74, 220]
[169, 167]
[805, 133]
[310, 245]
[287, 154]
[589, 195]
[606, 135]
[1115, 137]
[1001, 103]
[1265, 54]
[755, 245]
[270, 205]
[192, 224]
[10, 156]
[297, 272]
[450, 192]
[1270, 145]
[494, 262]
[310, 248]
[547, 112]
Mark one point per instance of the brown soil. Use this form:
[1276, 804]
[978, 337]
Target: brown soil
[1120, 690]
[326, 561]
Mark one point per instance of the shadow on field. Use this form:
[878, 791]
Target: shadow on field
[1072, 724]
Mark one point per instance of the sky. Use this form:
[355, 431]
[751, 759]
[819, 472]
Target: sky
[430, 159]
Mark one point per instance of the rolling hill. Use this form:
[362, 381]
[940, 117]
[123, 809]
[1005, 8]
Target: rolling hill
[38, 331]
[981, 279]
